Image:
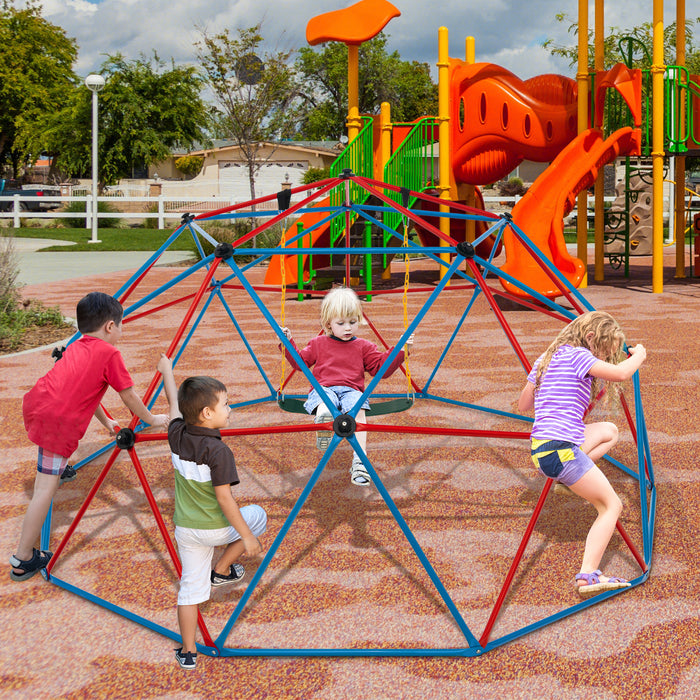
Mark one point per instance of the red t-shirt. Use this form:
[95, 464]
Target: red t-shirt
[338, 362]
[57, 410]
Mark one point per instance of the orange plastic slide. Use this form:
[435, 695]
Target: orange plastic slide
[540, 213]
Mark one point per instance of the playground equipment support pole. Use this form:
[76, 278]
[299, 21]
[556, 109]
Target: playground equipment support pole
[582, 80]
[679, 175]
[354, 123]
[470, 199]
[657, 89]
[444, 137]
[599, 225]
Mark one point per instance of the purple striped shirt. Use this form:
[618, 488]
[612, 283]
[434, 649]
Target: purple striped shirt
[563, 395]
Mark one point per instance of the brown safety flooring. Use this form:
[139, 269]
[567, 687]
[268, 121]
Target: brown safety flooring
[345, 576]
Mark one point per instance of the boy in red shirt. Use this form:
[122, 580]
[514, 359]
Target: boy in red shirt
[57, 411]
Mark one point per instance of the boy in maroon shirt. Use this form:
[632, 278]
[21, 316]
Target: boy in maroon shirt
[340, 360]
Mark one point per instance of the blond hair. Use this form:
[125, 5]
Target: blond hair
[341, 302]
[597, 331]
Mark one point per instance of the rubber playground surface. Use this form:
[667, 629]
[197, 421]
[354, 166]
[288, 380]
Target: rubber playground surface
[345, 576]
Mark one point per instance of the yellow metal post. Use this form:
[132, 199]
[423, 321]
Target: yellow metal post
[354, 122]
[470, 200]
[582, 81]
[657, 155]
[444, 136]
[599, 267]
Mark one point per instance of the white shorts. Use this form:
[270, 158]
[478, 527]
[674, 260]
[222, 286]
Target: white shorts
[196, 549]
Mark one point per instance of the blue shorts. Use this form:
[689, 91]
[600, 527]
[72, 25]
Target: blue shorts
[560, 460]
[342, 397]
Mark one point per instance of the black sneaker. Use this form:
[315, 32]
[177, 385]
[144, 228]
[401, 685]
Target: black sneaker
[68, 474]
[237, 572]
[188, 660]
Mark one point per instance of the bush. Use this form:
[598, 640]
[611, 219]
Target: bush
[80, 207]
[9, 270]
[189, 165]
[15, 316]
[511, 188]
[315, 175]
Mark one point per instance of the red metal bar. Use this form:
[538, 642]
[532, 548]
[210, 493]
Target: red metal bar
[552, 276]
[135, 317]
[137, 281]
[499, 314]
[516, 562]
[407, 213]
[630, 544]
[83, 508]
[428, 198]
[166, 536]
[386, 347]
[178, 335]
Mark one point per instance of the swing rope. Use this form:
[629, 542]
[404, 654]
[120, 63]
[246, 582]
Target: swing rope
[406, 280]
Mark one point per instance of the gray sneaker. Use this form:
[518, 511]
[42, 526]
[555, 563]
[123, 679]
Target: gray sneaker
[188, 660]
[236, 573]
[323, 437]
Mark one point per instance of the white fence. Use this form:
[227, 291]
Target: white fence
[162, 208]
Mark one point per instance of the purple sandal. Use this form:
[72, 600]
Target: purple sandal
[594, 585]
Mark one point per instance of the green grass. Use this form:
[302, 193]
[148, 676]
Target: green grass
[112, 239]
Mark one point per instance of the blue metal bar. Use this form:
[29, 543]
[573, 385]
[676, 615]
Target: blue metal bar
[149, 262]
[279, 538]
[404, 337]
[408, 534]
[116, 609]
[245, 341]
[448, 345]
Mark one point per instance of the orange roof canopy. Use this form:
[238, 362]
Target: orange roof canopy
[351, 25]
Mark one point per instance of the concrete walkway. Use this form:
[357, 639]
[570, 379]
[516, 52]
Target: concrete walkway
[37, 267]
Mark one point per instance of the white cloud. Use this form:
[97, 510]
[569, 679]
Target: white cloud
[507, 32]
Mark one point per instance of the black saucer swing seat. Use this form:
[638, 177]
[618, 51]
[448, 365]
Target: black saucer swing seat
[378, 408]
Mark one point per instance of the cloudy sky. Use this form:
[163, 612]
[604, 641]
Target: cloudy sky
[507, 32]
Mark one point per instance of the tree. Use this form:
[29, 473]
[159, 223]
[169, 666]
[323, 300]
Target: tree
[145, 110]
[616, 48]
[383, 77]
[36, 59]
[254, 89]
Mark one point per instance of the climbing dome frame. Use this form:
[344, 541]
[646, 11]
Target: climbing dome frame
[469, 279]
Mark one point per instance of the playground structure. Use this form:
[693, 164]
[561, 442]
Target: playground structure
[382, 188]
[226, 279]
[489, 121]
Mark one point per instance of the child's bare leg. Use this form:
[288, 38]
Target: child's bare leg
[361, 435]
[596, 489]
[599, 438]
[45, 487]
[187, 620]
[230, 555]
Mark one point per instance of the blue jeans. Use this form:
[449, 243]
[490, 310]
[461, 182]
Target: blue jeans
[342, 397]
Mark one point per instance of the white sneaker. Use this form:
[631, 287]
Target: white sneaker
[359, 476]
[323, 437]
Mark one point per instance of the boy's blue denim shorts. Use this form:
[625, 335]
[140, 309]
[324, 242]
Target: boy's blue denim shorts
[560, 460]
[342, 397]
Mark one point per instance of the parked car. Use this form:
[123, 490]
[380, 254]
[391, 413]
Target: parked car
[33, 193]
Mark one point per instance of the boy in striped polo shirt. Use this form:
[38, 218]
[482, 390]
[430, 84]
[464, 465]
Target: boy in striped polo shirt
[206, 514]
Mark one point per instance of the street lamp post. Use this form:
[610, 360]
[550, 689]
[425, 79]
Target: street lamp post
[94, 83]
